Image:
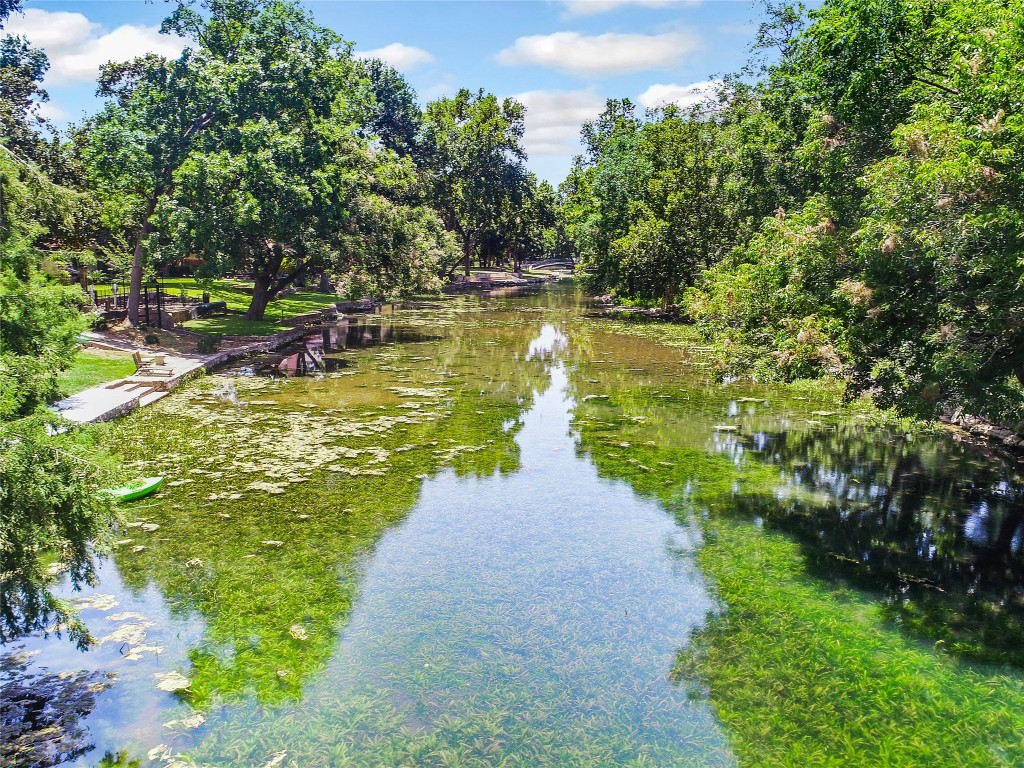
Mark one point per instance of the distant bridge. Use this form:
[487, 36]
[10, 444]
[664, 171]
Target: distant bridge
[550, 264]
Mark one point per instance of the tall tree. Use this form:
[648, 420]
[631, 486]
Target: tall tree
[394, 116]
[475, 162]
[248, 62]
[48, 473]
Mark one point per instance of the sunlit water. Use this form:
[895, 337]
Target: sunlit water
[474, 542]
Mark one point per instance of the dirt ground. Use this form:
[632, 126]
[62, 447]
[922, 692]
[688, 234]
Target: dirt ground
[177, 340]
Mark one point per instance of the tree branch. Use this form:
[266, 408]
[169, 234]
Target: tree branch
[933, 84]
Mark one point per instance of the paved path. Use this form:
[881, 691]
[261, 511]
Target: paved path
[106, 401]
[116, 398]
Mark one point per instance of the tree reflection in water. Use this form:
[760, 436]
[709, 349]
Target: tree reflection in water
[937, 531]
[41, 714]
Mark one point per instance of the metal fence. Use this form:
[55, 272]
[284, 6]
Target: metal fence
[114, 295]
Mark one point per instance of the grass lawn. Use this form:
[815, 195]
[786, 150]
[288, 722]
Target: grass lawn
[233, 292]
[95, 367]
[236, 325]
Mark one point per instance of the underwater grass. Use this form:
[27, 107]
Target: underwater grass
[802, 669]
[280, 494]
[827, 391]
[274, 506]
[808, 674]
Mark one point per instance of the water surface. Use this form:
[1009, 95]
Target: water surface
[494, 532]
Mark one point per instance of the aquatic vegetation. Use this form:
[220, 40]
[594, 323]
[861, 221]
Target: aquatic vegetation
[802, 672]
[834, 554]
[522, 537]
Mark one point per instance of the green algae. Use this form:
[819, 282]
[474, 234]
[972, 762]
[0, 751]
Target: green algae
[805, 672]
[285, 550]
[838, 551]
[433, 557]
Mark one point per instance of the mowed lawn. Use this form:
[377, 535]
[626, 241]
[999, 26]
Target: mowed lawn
[93, 367]
[235, 294]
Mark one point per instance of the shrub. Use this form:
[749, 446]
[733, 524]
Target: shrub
[209, 342]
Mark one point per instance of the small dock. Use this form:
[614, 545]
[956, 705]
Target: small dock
[116, 398]
[107, 401]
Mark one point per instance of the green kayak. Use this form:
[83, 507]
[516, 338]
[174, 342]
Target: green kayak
[135, 490]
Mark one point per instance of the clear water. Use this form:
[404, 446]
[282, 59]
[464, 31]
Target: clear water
[498, 533]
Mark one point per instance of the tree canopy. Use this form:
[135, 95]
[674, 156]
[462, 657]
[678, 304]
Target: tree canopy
[855, 210]
[49, 471]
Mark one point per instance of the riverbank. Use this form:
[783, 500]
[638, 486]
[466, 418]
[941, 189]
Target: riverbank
[110, 399]
[663, 328]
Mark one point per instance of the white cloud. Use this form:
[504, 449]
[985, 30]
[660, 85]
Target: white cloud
[594, 7]
[553, 120]
[76, 47]
[399, 55]
[660, 94]
[600, 54]
[441, 90]
[51, 111]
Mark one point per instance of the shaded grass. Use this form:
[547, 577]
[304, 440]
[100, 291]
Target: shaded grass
[236, 325]
[95, 367]
[234, 293]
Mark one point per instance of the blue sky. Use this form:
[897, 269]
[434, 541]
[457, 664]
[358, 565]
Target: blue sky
[561, 58]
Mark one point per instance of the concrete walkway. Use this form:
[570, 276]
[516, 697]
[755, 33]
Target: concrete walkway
[107, 401]
[116, 398]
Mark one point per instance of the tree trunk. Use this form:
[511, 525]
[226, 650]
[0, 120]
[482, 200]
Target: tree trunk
[261, 296]
[325, 285]
[135, 284]
[268, 283]
[467, 248]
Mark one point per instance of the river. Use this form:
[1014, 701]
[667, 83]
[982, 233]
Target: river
[494, 531]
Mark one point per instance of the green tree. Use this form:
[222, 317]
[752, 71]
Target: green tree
[49, 507]
[598, 194]
[249, 64]
[21, 71]
[940, 236]
[475, 163]
[394, 118]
